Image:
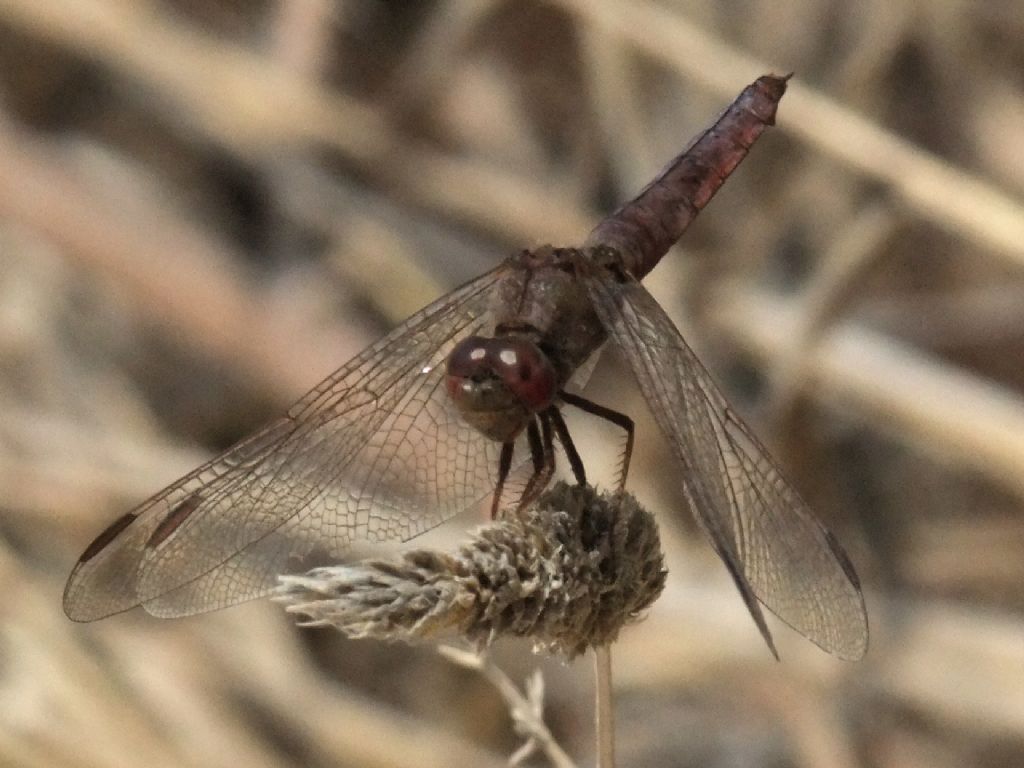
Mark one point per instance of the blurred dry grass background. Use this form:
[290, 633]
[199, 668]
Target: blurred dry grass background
[207, 205]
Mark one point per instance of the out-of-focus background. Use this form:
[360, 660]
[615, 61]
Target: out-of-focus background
[206, 206]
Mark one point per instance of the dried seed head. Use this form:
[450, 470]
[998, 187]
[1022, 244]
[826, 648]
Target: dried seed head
[567, 573]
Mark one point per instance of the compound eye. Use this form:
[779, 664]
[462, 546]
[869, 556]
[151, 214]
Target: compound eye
[526, 371]
[515, 363]
[469, 357]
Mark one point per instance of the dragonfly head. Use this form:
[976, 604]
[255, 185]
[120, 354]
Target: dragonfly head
[499, 384]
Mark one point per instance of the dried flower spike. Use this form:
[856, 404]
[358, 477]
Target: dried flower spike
[567, 573]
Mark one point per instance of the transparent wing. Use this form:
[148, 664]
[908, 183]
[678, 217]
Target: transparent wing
[376, 452]
[775, 550]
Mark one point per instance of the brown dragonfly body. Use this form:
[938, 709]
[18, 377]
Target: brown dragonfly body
[428, 422]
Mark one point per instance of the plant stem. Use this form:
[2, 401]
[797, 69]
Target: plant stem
[604, 715]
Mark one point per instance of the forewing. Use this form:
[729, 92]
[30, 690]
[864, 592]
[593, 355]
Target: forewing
[774, 548]
[376, 452]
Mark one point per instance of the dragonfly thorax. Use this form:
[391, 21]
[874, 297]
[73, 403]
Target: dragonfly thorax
[498, 384]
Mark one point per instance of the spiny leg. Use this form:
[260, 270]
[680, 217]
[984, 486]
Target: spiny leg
[504, 467]
[536, 446]
[542, 449]
[570, 447]
[619, 419]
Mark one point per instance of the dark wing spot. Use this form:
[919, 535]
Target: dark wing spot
[109, 534]
[175, 518]
[843, 558]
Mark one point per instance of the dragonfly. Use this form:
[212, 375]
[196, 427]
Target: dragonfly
[463, 402]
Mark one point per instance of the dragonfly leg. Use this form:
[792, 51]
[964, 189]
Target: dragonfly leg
[542, 449]
[570, 447]
[504, 467]
[616, 418]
